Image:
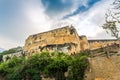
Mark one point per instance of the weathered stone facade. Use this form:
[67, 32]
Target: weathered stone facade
[63, 39]
[95, 44]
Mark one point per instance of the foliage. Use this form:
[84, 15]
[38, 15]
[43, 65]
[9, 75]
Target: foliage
[113, 20]
[45, 64]
[10, 69]
[10, 51]
[111, 26]
[1, 55]
[77, 68]
[57, 67]
[35, 65]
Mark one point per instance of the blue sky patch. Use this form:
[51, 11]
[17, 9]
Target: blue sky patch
[55, 7]
[9, 7]
[82, 8]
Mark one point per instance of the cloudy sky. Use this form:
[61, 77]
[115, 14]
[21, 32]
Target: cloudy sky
[21, 18]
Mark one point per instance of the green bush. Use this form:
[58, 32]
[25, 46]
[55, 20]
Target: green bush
[10, 69]
[77, 68]
[10, 51]
[45, 64]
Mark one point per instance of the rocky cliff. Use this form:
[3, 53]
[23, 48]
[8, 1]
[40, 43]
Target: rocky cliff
[103, 68]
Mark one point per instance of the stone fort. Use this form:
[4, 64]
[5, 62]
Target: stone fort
[65, 39]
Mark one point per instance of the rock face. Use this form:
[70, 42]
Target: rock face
[103, 68]
[63, 39]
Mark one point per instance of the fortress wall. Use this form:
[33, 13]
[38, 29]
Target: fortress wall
[52, 40]
[63, 39]
[95, 44]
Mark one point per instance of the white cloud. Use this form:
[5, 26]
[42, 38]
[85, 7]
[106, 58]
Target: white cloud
[69, 10]
[89, 22]
[102, 35]
[7, 43]
[36, 16]
[35, 20]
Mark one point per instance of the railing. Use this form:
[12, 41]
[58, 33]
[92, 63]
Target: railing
[105, 51]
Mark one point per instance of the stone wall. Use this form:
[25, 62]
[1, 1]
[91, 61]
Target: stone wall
[63, 39]
[95, 44]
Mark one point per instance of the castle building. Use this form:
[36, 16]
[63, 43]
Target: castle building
[63, 39]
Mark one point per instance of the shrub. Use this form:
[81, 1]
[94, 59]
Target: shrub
[45, 64]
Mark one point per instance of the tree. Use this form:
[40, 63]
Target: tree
[112, 20]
